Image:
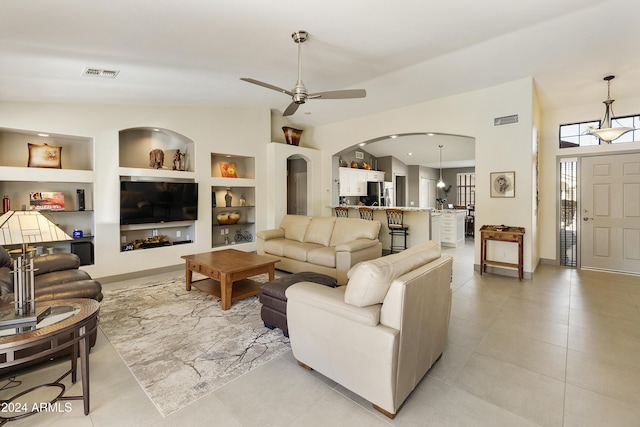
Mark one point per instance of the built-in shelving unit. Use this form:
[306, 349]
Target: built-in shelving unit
[18, 180]
[157, 155]
[241, 189]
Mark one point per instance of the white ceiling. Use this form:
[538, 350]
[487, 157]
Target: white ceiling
[193, 52]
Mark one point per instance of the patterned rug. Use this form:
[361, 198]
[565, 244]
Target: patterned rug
[180, 345]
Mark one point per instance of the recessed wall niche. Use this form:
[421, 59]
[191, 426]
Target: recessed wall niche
[137, 147]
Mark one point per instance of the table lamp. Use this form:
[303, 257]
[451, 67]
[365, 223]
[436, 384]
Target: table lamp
[23, 228]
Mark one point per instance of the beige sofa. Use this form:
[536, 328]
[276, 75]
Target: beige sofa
[379, 335]
[326, 245]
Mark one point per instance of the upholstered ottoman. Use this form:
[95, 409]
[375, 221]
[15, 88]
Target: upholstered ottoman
[274, 301]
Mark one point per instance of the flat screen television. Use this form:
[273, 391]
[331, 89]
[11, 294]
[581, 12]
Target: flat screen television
[143, 202]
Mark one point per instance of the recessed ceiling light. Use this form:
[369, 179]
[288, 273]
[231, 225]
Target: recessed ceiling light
[431, 134]
[393, 136]
[362, 144]
[156, 130]
[44, 135]
[409, 154]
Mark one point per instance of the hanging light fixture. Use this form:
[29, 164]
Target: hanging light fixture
[606, 132]
[440, 183]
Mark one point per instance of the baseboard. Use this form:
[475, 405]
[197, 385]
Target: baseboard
[509, 272]
[178, 268]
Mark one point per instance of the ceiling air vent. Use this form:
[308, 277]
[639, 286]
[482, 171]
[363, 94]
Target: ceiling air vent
[97, 72]
[505, 120]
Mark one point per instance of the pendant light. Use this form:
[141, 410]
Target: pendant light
[606, 132]
[440, 183]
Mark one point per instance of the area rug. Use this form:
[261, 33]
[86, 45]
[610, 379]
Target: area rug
[180, 345]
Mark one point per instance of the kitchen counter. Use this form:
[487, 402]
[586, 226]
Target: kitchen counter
[418, 220]
[381, 208]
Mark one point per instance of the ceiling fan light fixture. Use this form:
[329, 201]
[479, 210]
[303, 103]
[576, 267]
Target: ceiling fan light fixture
[606, 132]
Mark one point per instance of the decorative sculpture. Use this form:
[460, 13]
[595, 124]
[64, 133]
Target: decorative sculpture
[156, 158]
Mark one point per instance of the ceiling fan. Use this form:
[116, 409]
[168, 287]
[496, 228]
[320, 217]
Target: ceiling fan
[299, 93]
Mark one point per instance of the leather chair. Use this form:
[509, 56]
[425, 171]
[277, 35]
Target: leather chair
[379, 335]
[57, 276]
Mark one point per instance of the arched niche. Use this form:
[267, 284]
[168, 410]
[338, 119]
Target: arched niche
[136, 144]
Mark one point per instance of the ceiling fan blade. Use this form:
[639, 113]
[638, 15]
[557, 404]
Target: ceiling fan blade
[292, 108]
[267, 85]
[339, 94]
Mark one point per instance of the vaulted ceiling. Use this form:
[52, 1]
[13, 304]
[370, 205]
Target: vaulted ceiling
[193, 52]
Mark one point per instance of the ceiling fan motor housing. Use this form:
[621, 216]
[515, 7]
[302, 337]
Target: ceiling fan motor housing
[300, 93]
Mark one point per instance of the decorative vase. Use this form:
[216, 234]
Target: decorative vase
[292, 135]
[227, 199]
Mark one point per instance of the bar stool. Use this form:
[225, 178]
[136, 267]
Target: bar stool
[397, 228]
[366, 213]
[342, 212]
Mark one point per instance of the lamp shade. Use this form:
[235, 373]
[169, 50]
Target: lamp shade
[610, 134]
[24, 227]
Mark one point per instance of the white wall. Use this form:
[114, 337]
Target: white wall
[502, 148]
[243, 132]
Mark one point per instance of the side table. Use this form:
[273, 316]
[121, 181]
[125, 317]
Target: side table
[71, 318]
[501, 233]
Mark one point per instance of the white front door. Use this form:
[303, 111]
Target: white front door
[610, 213]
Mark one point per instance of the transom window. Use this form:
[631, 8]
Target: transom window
[577, 134]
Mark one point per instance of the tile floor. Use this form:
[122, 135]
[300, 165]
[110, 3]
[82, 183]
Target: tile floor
[562, 349]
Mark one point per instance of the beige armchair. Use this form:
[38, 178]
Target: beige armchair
[379, 335]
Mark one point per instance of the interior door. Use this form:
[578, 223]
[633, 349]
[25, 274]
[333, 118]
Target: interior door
[610, 213]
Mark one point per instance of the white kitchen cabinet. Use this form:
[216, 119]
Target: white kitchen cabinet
[452, 227]
[375, 176]
[353, 182]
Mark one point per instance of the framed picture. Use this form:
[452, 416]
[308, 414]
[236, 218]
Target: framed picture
[46, 201]
[503, 184]
[44, 156]
[228, 170]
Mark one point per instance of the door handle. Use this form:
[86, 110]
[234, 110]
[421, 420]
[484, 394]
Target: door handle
[586, 218]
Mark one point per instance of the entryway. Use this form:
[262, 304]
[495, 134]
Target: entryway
[610, 213]
[600, 212]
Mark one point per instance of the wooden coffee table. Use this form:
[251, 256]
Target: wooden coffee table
[228, 272]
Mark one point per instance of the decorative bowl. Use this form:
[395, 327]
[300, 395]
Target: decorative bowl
[227, 218]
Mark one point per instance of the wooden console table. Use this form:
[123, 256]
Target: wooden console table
[501, 233]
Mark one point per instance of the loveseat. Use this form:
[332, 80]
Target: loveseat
[326, 245]
[57, 276]
[379, 335]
